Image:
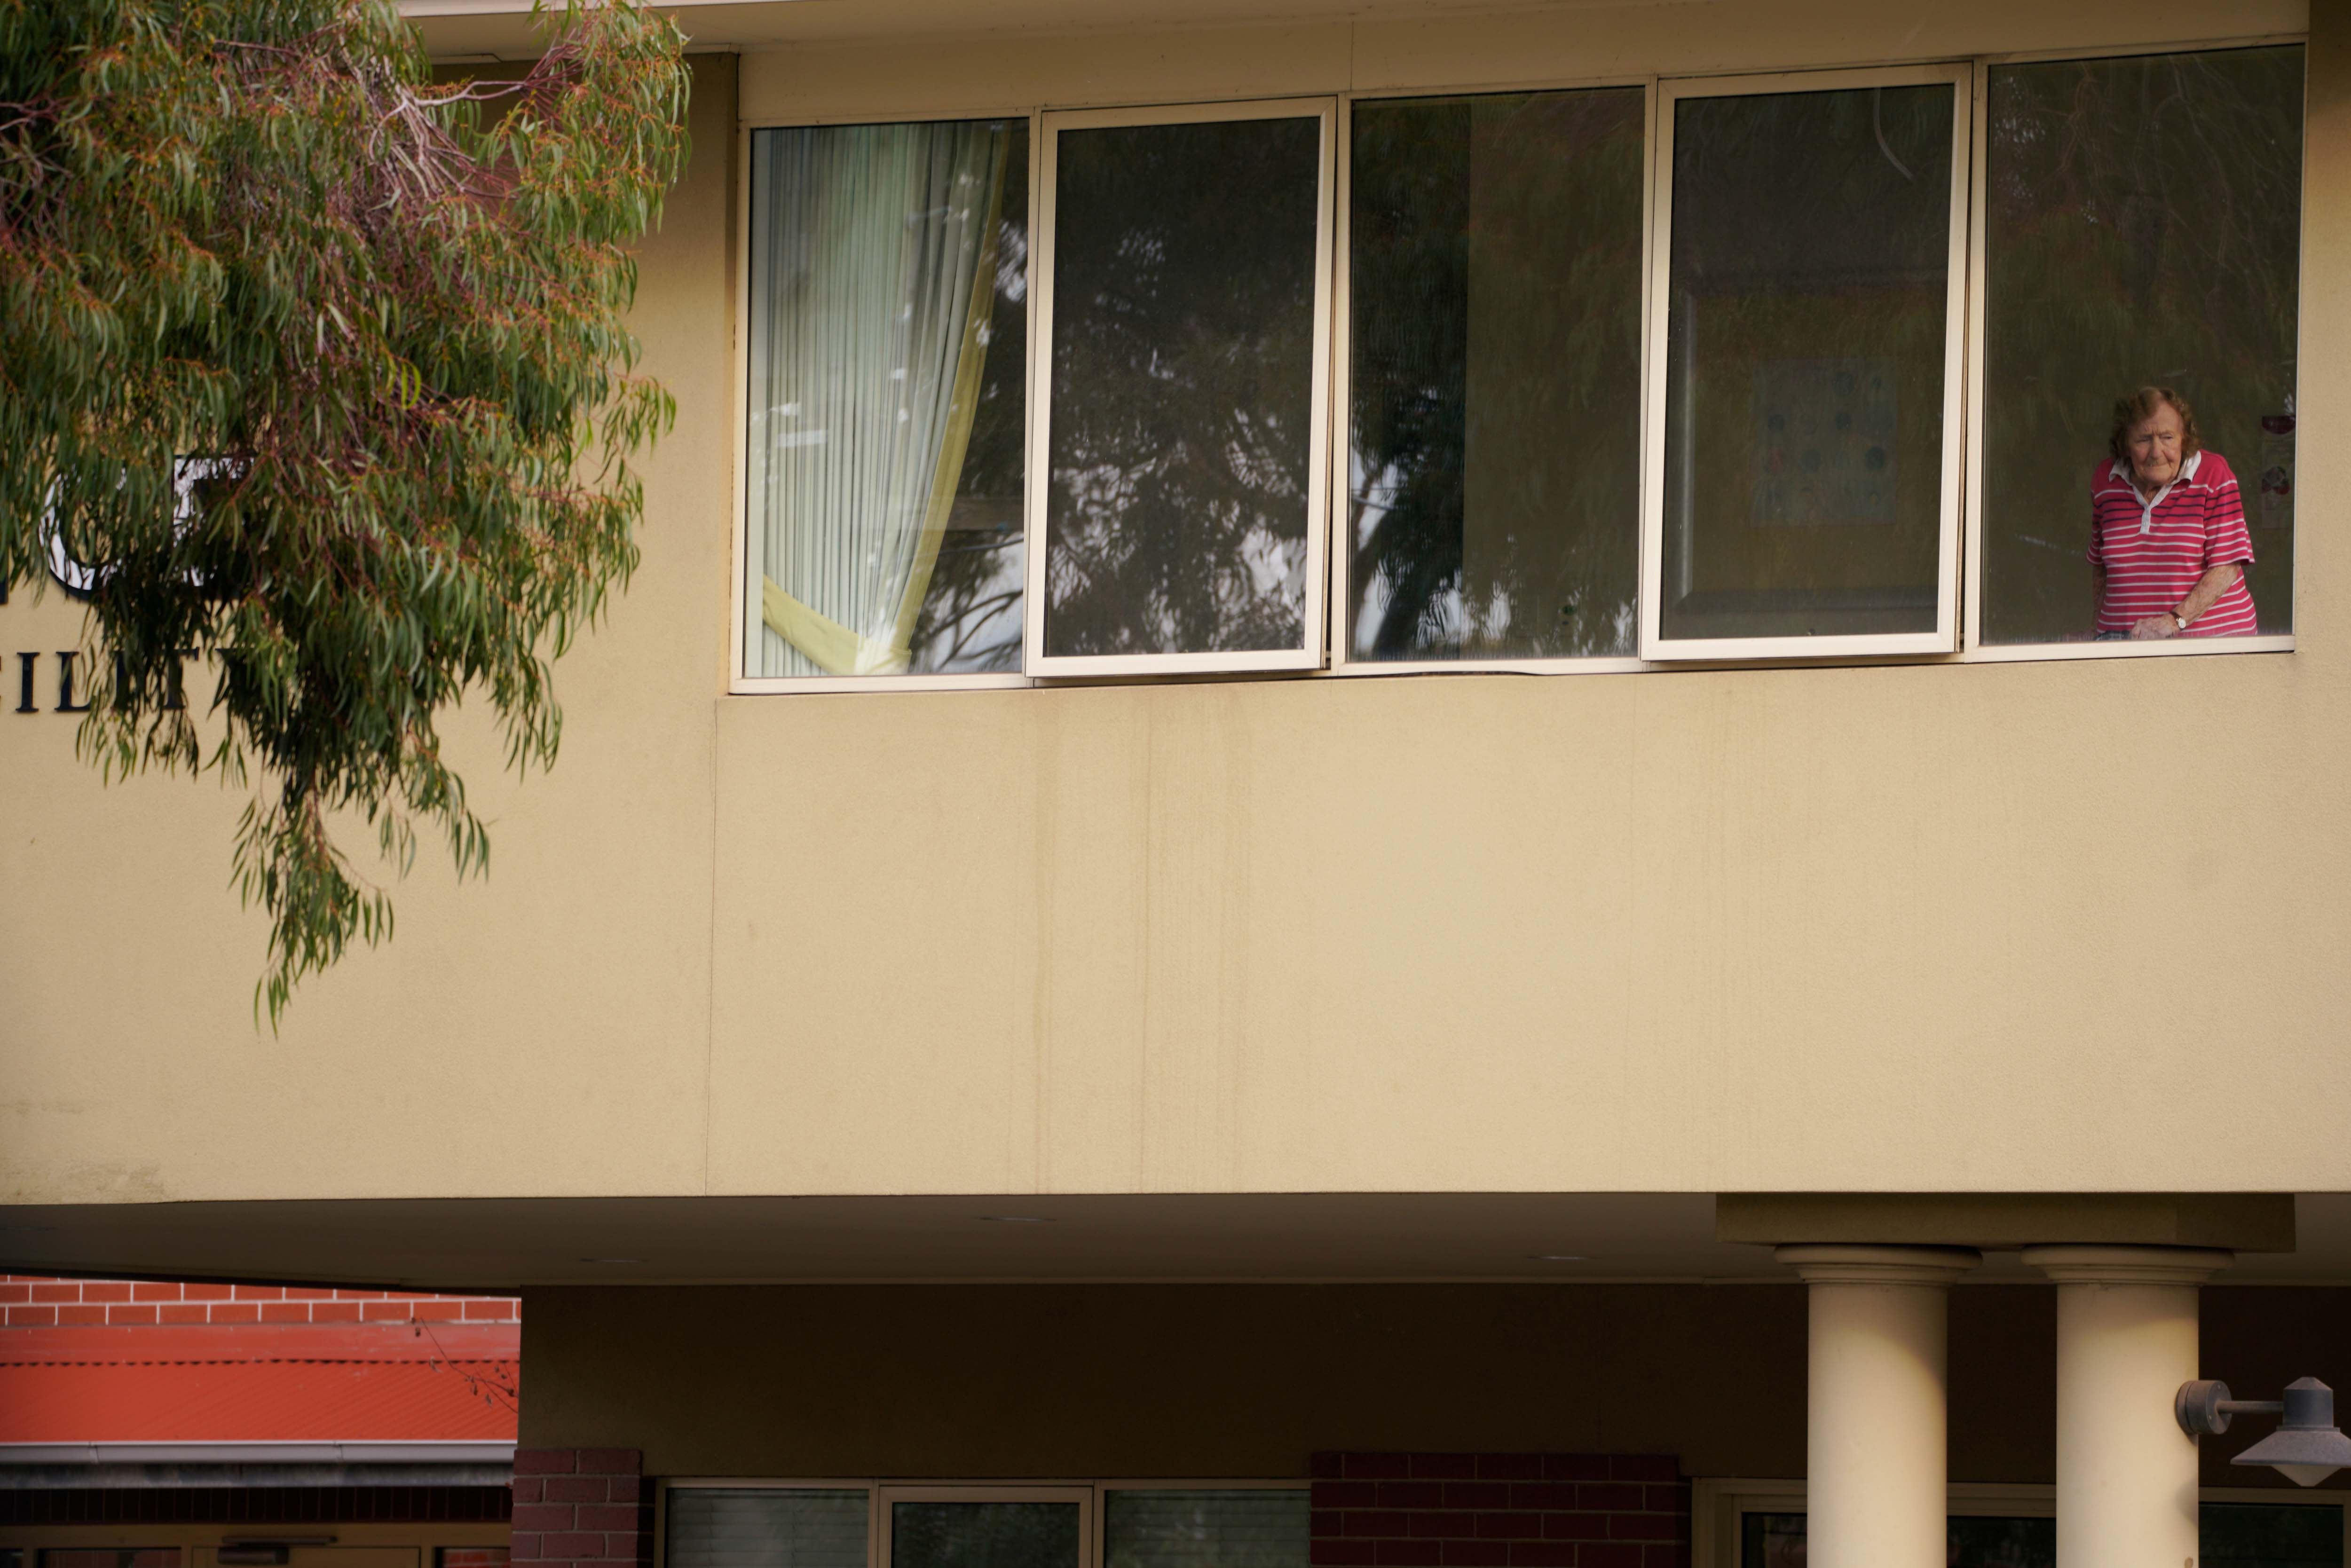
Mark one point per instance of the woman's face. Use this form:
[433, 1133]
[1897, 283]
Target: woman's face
[2155, 448]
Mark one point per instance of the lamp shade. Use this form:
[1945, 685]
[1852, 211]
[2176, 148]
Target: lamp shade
[2307, 1447]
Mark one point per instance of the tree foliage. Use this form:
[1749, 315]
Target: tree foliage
[1183, 368]
[321, 369]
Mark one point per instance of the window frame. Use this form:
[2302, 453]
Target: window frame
[1082, 1494]
[1717, 1506]
[739, 680]
[1309, 653]
[1328, 536]
[1338, 616]
[1973, 648]
[1944, 639]
[879, 1491]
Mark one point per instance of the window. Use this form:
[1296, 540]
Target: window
[872, 1525]
[887, 375]
[2142, 227]
[1494, 334]
[766, 1527]
[1180, 1528]
[1805, 391]
[1181, 443]
[2234, 1535]
[973, 1527]
[1816, 364]
[1761, 1525]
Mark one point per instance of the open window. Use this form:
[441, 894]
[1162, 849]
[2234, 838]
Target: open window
[2141, 229]
[1179, 447]
[1806, 318]
[886, 382]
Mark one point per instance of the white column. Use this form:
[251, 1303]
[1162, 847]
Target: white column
[1875, 1431]
[2126, 1342]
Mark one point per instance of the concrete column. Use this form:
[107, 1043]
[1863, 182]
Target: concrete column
[1876, 1437]
[2126, 1342]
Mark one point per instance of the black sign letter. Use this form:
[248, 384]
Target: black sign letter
[64, 685]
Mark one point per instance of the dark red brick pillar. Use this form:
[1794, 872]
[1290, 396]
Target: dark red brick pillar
[582, 1508]
[1500, 1510]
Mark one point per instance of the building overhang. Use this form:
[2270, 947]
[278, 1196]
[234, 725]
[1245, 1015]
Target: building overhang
[506, 1243]
[2238, 1221]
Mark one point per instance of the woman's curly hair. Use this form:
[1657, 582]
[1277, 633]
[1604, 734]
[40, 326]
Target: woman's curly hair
[2141, 405]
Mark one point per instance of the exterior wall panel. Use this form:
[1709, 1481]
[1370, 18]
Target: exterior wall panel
[2032, 926]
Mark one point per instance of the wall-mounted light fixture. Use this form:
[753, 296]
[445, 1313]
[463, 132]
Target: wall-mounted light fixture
[2307, 1447]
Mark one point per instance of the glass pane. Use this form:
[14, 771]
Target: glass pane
[1777, 1541]
[1804, 387]
[888, 380]
[1494, 295]
[2272, 1535]
[1205, 1530]
[2234, 1535]
[984, 1535]
[2142, 227]
[715, 1527]
[1183, 387]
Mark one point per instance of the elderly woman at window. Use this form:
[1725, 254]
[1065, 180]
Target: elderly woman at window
[2167, 540]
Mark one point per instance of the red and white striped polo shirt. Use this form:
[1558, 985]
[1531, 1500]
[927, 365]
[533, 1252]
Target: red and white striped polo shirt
[2154, 551]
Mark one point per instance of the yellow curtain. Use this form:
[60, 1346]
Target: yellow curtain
[825, 642]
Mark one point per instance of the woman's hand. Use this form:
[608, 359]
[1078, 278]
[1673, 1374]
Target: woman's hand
[2153, 628]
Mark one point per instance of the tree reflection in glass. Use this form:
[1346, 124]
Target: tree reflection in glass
[1495, 306]
[1182, 365]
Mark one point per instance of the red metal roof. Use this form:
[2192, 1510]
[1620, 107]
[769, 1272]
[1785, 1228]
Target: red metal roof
[385, 1383]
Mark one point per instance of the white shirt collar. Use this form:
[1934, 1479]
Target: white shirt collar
[2147, 504]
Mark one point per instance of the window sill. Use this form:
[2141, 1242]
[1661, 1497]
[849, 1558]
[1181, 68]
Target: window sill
[2023, 652]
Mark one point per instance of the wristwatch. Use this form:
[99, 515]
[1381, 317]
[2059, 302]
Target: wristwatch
[2179, 621]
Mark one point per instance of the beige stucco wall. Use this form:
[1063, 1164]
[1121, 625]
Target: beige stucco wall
[2065, 926]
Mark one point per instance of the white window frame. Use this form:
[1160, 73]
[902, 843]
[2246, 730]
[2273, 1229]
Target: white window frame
[1944, 639]
[1342, 550]
[1309, 653]
[1093, 1498]
[1083, 1495]
[1958, 638]
[741, 626]
[1717, 1507]
[1979, 258]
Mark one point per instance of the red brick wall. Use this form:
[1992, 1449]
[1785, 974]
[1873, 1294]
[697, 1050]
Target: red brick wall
[31, 1303]
[582, 1508]
[1499, 1510]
